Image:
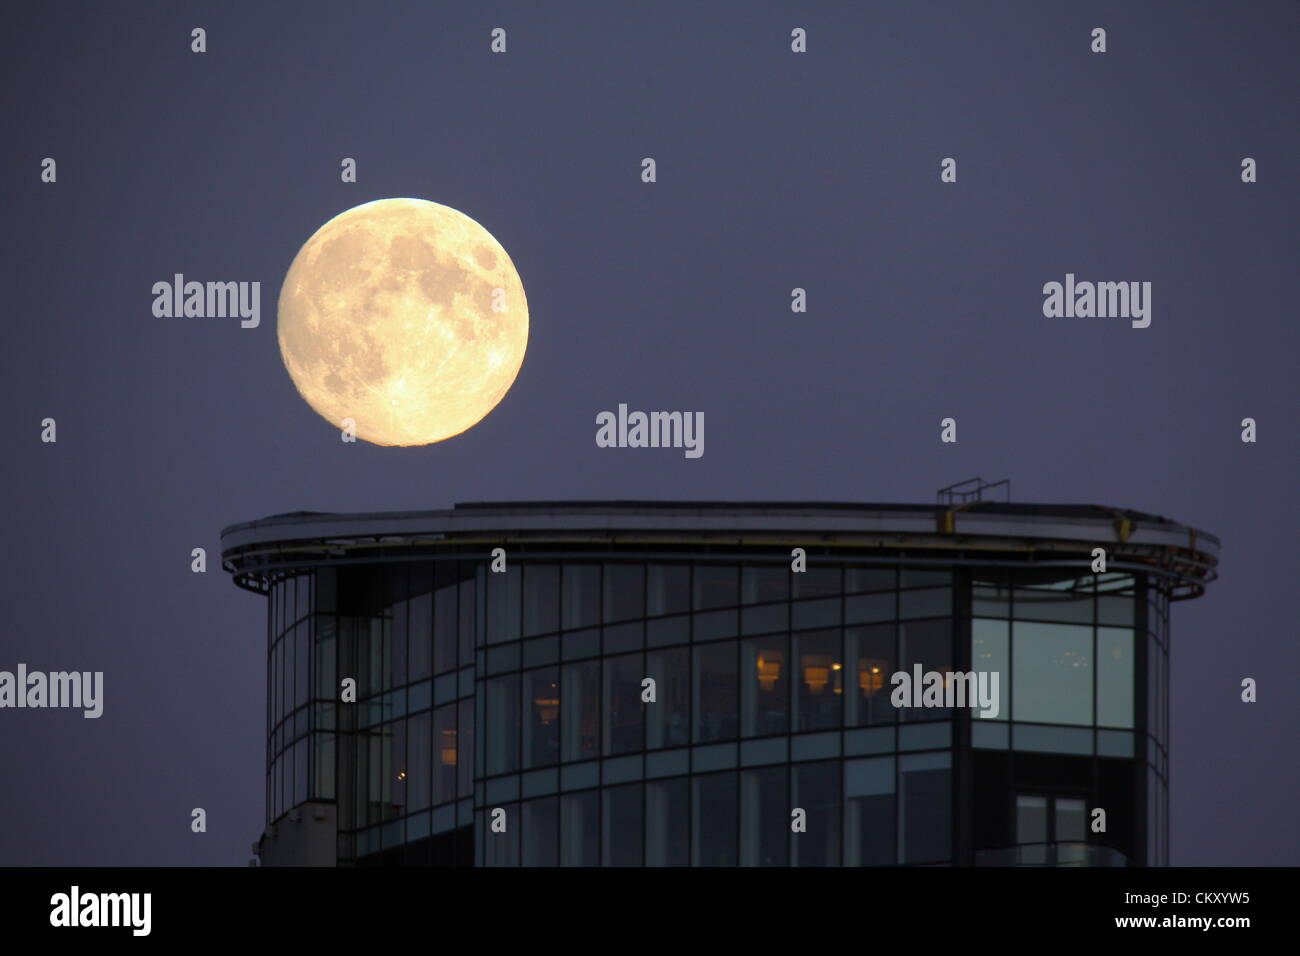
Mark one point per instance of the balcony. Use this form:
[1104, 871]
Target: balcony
[1051, 854]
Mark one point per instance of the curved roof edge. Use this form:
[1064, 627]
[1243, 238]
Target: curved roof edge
[979, 533]
[1082, 522]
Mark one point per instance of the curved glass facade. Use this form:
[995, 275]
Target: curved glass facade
[770, 694]
[611, 710]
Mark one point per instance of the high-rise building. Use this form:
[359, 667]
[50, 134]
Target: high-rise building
[649, 683]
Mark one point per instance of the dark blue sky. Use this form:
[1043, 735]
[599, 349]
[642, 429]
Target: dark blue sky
[775, 170]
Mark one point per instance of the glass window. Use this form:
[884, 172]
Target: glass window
[623, 638]
[869, 608]
[580, 710]
[712, 625]
[446, 618]
[502, 848]
[420, 625]
[581, 598]
[667, 812]
[274, 681]
[624, 713]
[765, 686]
[297, 598]
[542, 717]
[300, 753]
[470, 617]
[503, 724]
[857, 580]
[765, 619]
[1031, 819]
[819, 680]
[816, 789]
[1154, 703]
[869, 663]
[582, 644]
[624, 592]
[277, 608]
[716, 586]
[664, 631]
[326, 649]
[1071, 820]
[419, 772]
[821, 612]
[544, 650]
[928, 643]
[816, 582]
[395, 764]
[869, 812]
[990, 598]
[667, 719]
[1047, 738]
[1114, 677]
[541, 599]
[372, 776]
[924, 578]
[1068, 600]
[580, 828]
[503, 600]
[715, 692]
[375, 655]
[925, 792]
[445, 754]
[621, 826]
[302, 650]
[324, 766]
[284, 681]
[397, 637]
[926, 602]
[765, 817]
[541, 836]
[668, 589]
[1052, 682]
[1164, 693]
[1115, 600]
[326, 587]
[461, 749]
[990, 650]
[763, 583]
[713, 838]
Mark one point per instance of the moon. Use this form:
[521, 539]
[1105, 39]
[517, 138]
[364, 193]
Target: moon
[406, 317]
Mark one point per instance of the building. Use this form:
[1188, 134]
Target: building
[516, 696]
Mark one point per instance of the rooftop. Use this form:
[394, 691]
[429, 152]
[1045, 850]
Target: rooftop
[977, 532]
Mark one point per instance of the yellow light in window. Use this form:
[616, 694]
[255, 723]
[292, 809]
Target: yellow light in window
[871, 677]
[448, 748]
[769, 669]
[547, 708]
[816, 672]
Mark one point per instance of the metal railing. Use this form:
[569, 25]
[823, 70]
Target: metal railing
[972, 489]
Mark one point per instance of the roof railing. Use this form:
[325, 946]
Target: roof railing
[972, 489]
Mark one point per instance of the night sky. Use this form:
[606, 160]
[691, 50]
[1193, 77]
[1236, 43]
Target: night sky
[775, 170]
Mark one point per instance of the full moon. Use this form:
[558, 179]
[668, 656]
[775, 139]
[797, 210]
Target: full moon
[406, 317]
